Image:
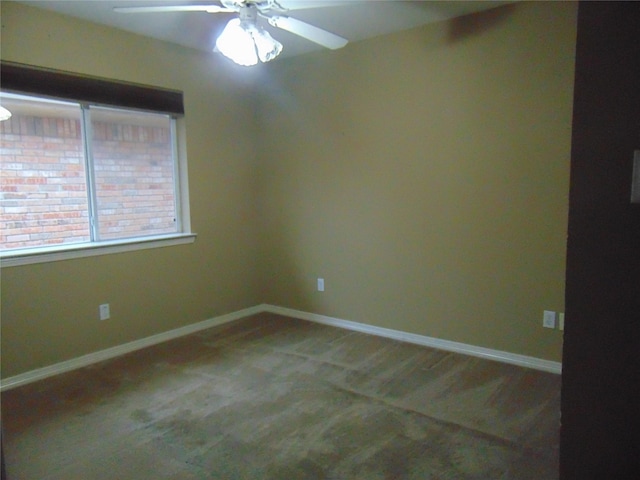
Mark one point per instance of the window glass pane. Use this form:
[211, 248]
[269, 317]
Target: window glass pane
[133, 161]
[43, 196]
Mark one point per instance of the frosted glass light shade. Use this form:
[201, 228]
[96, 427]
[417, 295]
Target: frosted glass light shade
[245, 43]
[4, 114]
[237, 44]
[267, 47]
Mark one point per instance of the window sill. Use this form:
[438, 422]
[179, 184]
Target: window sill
[30, 256]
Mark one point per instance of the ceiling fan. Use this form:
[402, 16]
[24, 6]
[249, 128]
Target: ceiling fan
[243, 40]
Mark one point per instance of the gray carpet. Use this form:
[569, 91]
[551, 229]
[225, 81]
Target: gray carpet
[275, 398]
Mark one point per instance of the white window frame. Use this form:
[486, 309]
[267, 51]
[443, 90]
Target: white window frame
[33, 255]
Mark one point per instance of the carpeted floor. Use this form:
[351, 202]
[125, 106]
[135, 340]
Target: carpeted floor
[275, 398]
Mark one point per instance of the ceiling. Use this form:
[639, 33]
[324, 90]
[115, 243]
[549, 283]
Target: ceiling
[352, 19]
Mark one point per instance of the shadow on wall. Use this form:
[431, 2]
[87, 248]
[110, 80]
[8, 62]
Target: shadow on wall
[466, 26]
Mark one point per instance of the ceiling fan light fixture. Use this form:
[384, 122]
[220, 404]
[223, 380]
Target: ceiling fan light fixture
[245, 42]
[237, 44]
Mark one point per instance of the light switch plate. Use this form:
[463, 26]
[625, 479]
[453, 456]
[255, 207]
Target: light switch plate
[105, 312]
[549, 319]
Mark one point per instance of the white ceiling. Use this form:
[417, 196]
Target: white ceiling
[352, 19]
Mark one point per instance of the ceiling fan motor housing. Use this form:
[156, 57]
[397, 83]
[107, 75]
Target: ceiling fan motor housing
[248, 14]
[262, 5]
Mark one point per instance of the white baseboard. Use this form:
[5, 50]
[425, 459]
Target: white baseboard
[482, 352]
[95, 357]
[91, 358]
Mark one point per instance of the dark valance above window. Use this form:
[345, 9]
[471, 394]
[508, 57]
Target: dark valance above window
[19, 78]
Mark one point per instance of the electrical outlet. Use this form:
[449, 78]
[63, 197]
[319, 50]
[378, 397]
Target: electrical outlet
[549, 319]
[561, 321]
[321, 284]
[105, 313]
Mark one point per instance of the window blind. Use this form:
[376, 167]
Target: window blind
[20, 78]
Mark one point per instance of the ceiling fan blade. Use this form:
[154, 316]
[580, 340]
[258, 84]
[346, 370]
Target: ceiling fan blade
[306, 4]
[305, 30]
[175, 8]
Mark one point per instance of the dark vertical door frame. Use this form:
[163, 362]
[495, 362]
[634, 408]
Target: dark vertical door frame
[601, 384]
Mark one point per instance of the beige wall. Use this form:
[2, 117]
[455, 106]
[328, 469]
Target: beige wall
[424, 175]
[49, 311]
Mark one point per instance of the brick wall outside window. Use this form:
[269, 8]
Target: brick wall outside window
[43, 193]
[134, 180]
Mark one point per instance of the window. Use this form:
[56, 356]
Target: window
[79, 176]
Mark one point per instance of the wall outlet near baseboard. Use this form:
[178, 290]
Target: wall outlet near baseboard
[549, 319]
[321, 284]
